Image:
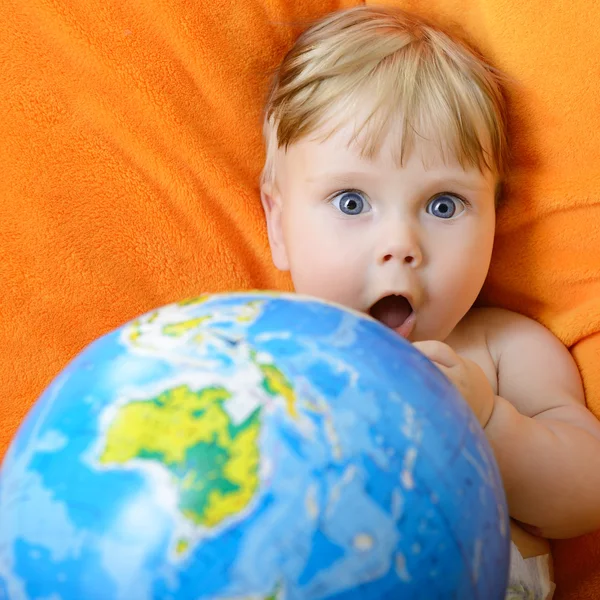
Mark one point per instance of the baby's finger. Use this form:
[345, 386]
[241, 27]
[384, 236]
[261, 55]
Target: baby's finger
[438, 352]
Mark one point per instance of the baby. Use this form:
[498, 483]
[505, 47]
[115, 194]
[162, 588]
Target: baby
[385, 152]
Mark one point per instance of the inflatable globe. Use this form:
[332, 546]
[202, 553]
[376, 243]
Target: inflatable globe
[251, 446]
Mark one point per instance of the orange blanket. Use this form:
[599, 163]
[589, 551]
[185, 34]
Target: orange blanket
[131, 149]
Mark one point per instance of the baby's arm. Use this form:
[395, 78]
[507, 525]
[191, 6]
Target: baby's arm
[546, 441]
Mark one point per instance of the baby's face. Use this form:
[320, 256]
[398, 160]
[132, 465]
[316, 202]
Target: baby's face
[409, 245]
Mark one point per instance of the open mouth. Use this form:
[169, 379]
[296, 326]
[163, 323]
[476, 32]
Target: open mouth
[394, 312]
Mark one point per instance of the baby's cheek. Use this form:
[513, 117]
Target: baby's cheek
[327, 257]
[328, 277]
[464, 274]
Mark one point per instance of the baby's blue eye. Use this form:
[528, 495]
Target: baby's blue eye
[351, 203]
[445, 206]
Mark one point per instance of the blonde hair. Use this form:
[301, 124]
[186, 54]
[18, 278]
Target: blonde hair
[405, 72]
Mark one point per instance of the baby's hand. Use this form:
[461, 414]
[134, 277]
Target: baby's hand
[465, 374]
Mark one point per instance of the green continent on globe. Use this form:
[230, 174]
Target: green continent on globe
[214, 461]
[275, 383]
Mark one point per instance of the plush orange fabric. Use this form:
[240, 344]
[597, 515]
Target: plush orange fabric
[130, 155]
[131, 148]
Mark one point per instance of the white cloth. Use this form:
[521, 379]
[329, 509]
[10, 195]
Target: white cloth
[529, 578]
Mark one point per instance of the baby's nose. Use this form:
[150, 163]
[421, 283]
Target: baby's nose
[409, 258]
[401, 244]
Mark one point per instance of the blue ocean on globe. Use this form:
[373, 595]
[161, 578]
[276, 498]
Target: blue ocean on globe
[251, 446]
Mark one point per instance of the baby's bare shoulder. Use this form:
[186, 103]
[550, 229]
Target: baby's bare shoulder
[507, 332]
[535, 370]
[479, 326]
[488, 319]
[496, 327]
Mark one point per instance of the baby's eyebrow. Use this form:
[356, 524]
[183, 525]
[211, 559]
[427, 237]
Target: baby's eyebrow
[339, 176]
[466, 183]
[441, 181]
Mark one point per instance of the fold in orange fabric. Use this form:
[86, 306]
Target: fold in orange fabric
[131, 151]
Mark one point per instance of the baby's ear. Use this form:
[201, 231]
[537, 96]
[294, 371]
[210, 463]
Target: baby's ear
[271, 201]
